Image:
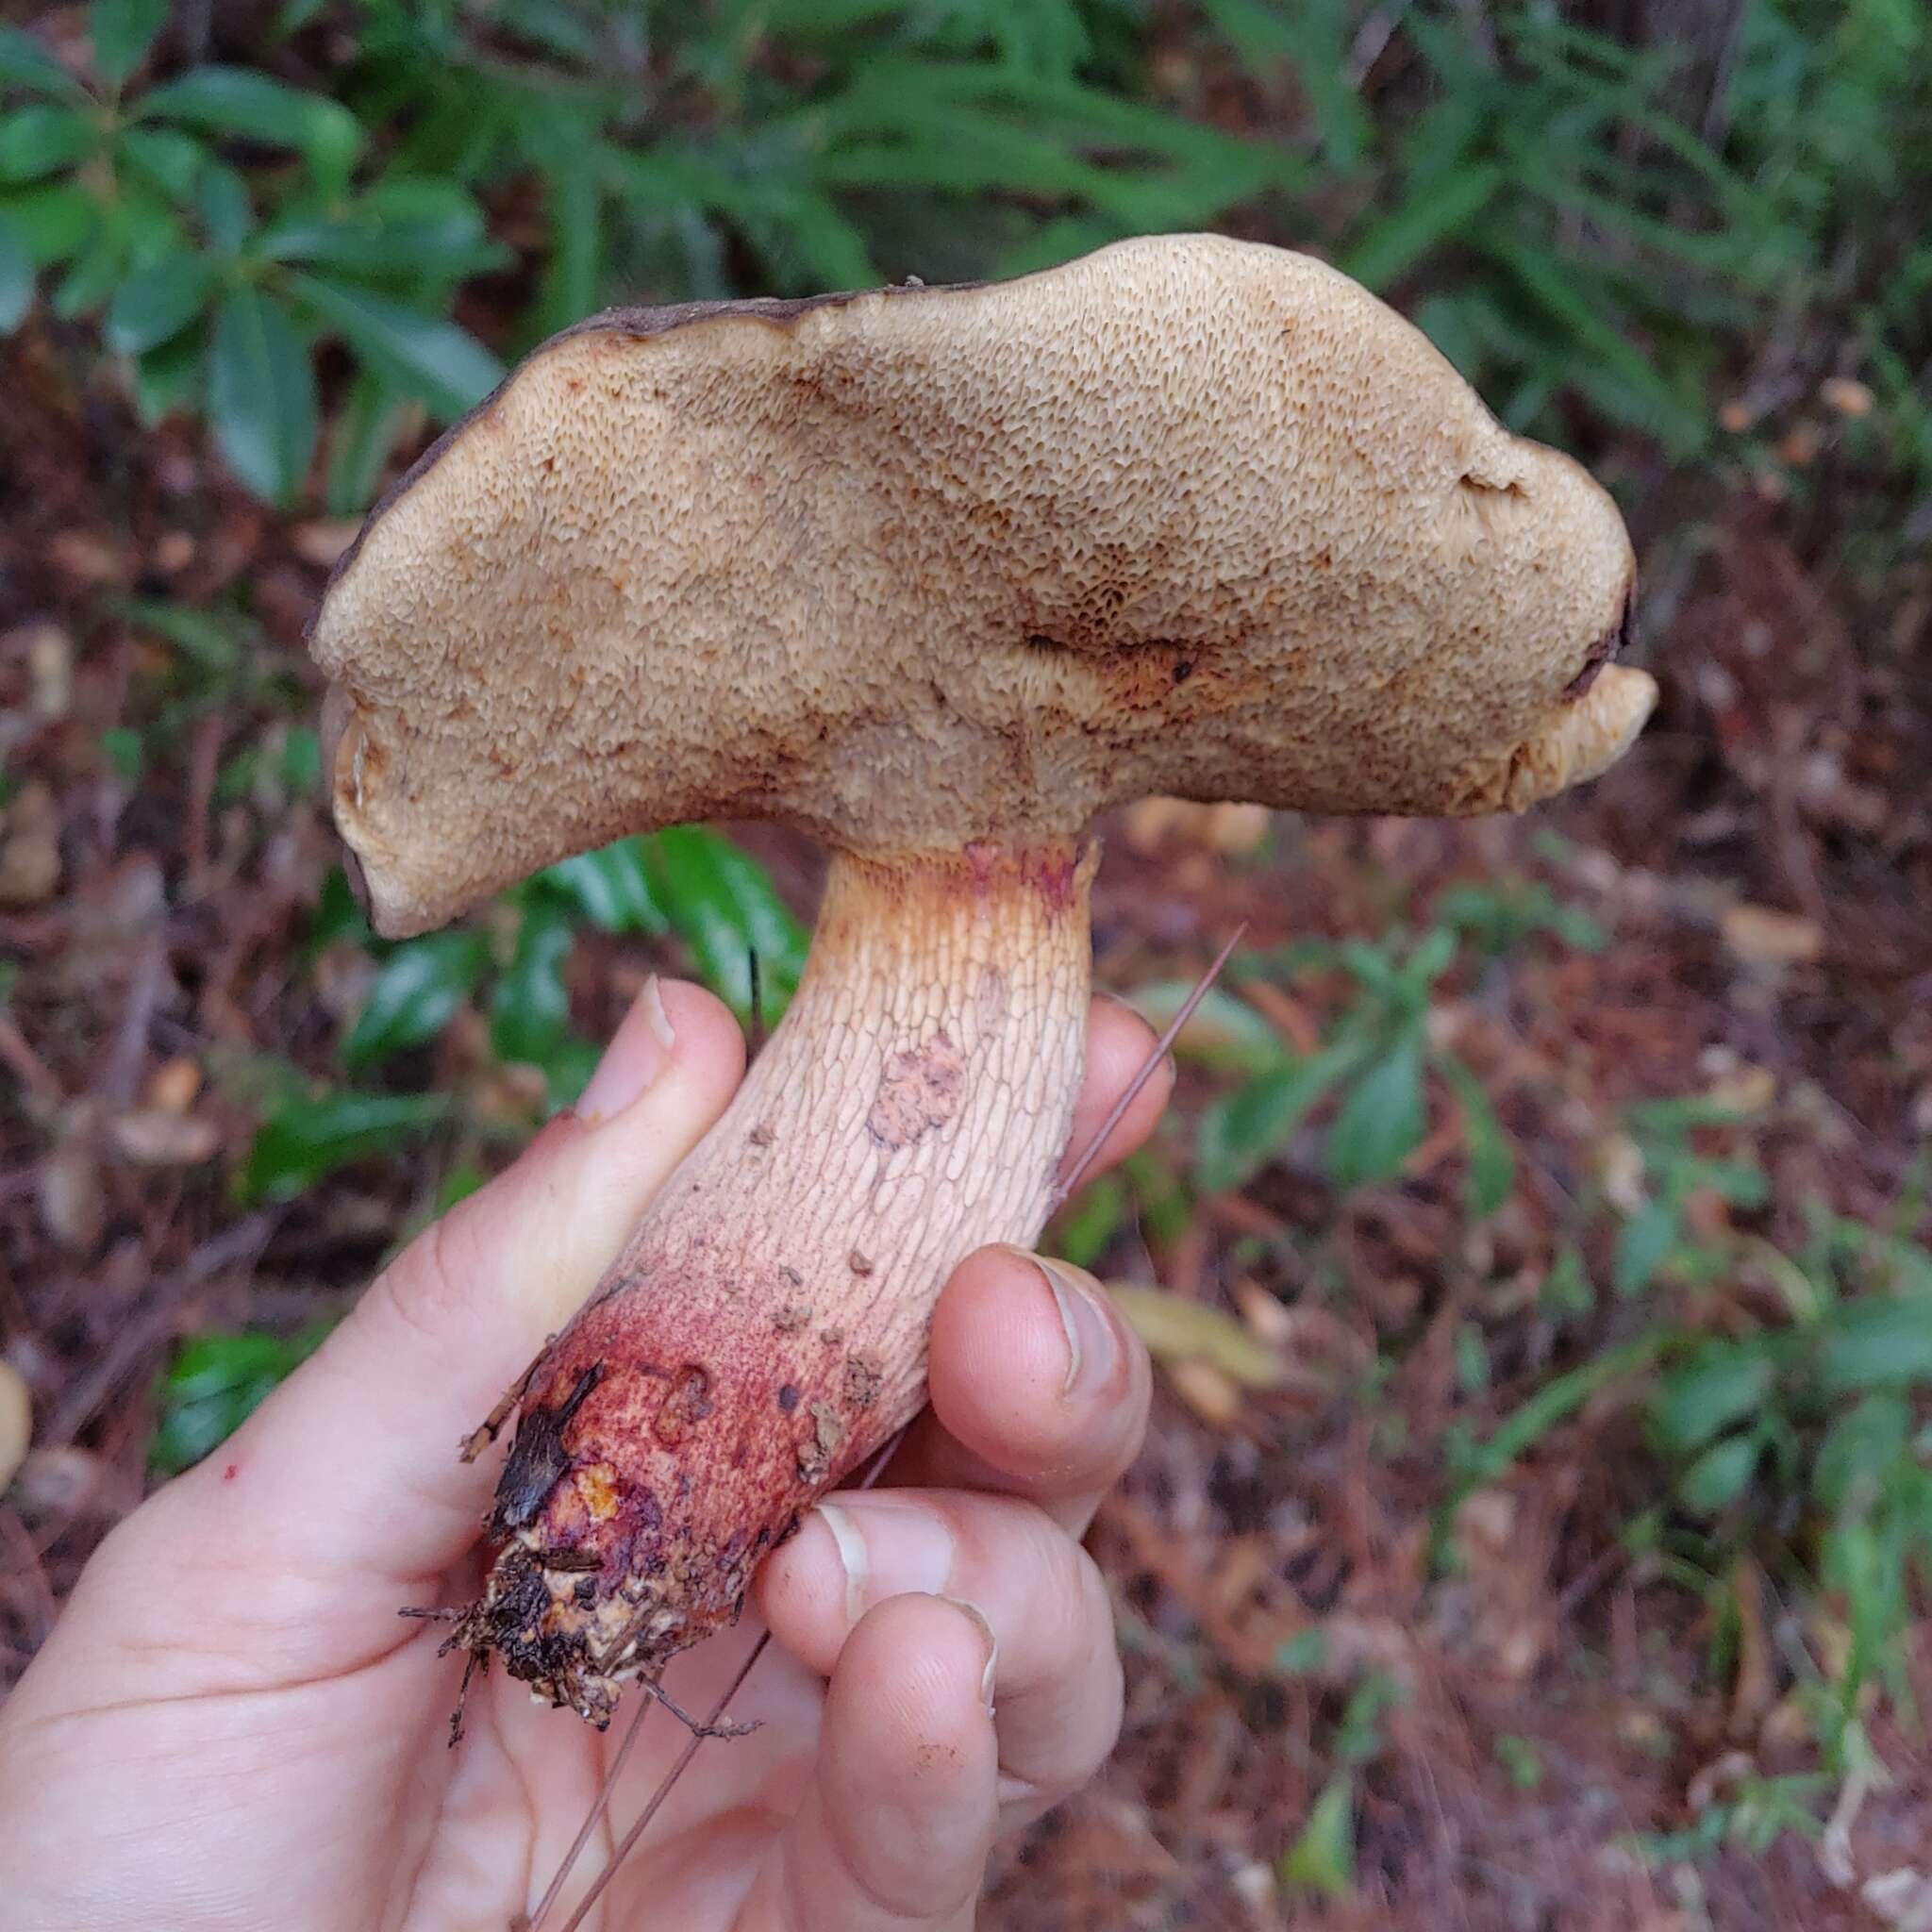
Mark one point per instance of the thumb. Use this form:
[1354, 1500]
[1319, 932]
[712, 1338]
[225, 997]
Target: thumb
[351, 1467]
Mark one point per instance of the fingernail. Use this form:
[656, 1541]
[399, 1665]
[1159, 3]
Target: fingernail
[1092, 1347]
[904, 1544]
[851, 1558]
[979, 1618]
[656, 1018]
[640, 1050]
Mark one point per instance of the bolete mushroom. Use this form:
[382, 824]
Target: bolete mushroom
[938, 574]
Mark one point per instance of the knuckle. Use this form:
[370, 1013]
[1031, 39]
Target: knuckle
[425, 1287]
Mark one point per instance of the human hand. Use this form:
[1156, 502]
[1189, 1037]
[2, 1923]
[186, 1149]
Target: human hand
[231, 1726]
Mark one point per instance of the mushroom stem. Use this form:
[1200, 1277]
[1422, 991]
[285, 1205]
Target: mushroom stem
[764, 1329]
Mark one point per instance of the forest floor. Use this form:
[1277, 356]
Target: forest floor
[1534, 1716]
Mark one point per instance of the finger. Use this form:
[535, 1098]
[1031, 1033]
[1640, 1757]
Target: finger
[1038, 1388]
[1118, 1043]
[352, 1464]
[1057, 1681]
[896, 1824]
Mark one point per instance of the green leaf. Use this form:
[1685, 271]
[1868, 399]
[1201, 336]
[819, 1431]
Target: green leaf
[417, 992]
[1877, 1341]
[723, 903]
[1520, 1762]
[1552, 1404]
[569, 1068]
[301, 763]
[1737, 1181]
[261, 394]
[1313, 38]
[16, 276]
[1436, 210]
[1720, 1476]
[1434, 954]
[568, 168]
[213, 1386]
[24, 62]
[336, 916]
[206, 638]
[1721, 1385]
[39, 140]
[1358, 1737]
[1601, 362]
[124, 753]
[307, 1138]
[529, 1011]
[1381, 1121]
[55, 221]
[1082, 1232]
[92, 279]
[238, 101]
[612, 888]
[1304, 1653]
[1240, 1132]
[1322, 1860]
[1492, 1160]
[1860, 1451]
[157, 302]
[1223, 1031]
[122, 32]
[365, 435]
[442, 366]
[458, 1184]
[1644, 1244]
[222, 197]
[165, 156]
[365, 245]
[170, 377]
[1373, 969]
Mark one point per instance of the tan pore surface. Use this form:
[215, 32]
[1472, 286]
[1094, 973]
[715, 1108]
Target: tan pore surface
[921, 566]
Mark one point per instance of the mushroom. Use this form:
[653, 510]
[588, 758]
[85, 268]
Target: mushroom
[937, 574]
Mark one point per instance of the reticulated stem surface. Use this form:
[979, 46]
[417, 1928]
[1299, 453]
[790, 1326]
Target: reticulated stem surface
[764, 1329]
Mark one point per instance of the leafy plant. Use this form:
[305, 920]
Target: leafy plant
[1818, 1419]
[1375, 1060]
[218, 283]
[686, 882]
[1574, 236]
[1672, 1170]
[305, 1136]
[1321, 1859]
[211, 1386]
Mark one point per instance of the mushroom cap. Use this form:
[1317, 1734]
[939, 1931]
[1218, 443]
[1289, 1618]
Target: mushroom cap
[917, 567]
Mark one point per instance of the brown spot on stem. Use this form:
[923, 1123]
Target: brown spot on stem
[815, 1455]
[686, 1404]
[919, 1090]
[859, 1382]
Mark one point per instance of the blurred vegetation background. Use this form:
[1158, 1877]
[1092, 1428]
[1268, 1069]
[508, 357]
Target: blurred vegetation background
[1535, 1527]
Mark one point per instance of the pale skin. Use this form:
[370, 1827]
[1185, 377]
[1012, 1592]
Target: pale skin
[231, 1726]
